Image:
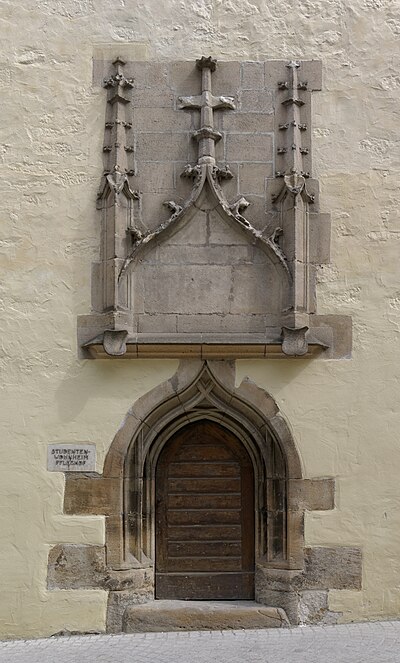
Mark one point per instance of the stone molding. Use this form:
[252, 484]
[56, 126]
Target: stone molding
[123, 493]
[269, 243]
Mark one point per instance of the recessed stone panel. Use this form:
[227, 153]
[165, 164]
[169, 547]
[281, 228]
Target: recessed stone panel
[186, 288]
[209, 206]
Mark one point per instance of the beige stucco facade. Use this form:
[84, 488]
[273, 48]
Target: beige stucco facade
[343, 414]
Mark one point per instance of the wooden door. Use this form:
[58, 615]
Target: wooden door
[204, 516]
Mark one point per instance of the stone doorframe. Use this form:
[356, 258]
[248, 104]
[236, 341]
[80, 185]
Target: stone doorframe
[210, 394]
[287, 573]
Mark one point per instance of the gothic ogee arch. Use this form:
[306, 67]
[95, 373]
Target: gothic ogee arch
[125, 492]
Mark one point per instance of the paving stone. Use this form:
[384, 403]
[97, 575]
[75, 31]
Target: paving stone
[376, 642]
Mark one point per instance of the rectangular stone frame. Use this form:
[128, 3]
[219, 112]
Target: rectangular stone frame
[285, 219]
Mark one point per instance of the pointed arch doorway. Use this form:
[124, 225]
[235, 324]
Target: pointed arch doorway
[204, 520]
[126, 492]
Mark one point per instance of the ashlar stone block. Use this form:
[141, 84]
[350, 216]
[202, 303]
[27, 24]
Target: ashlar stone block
[252, 177]
[333, 568]
[256, 289]
[183, 78]
[256, 101]
[76, 567]
[186, 288]
[205, 255]
[194, 232]
[148, 172]
[249, 122]
[252, 75]
[224, 233]
[249, 147]
[162, 146]
[226, 80]
[160, 120]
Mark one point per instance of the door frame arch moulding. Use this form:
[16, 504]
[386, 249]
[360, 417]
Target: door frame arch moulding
[207, 397]
[287, 572]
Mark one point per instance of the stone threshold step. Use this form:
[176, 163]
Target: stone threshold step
[201, 616]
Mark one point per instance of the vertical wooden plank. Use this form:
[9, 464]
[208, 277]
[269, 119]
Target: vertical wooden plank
[204, 483]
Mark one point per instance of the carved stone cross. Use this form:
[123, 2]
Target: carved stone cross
[206, 102]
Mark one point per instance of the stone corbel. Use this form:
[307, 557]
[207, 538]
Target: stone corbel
[294, 342]
[114, 342]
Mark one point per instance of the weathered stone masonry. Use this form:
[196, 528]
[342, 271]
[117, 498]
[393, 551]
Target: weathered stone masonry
[210, 237]
[288, 575]
[210, 223]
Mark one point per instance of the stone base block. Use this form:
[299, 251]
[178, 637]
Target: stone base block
[201, 616]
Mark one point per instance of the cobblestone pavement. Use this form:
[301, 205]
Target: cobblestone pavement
[377, 642]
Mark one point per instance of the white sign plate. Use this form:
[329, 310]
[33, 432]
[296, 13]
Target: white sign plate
[71, 457]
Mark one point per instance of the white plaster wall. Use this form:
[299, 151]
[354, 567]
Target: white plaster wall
[344, 414]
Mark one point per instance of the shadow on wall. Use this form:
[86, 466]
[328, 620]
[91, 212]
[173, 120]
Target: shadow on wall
[277, 373]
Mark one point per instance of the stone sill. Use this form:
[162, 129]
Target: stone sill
[110, 334]
[201, 351]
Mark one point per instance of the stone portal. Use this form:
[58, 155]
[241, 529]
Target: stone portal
[152, 516]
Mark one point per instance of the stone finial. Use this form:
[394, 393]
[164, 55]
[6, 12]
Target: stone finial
[292, 127]
[118, 144]
[116, 200]
[206, 63]
[117, 79]
[206, 103]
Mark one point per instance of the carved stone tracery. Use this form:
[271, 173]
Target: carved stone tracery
[293, 201]
[287, 240]
[116, 199]
[206, 171]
